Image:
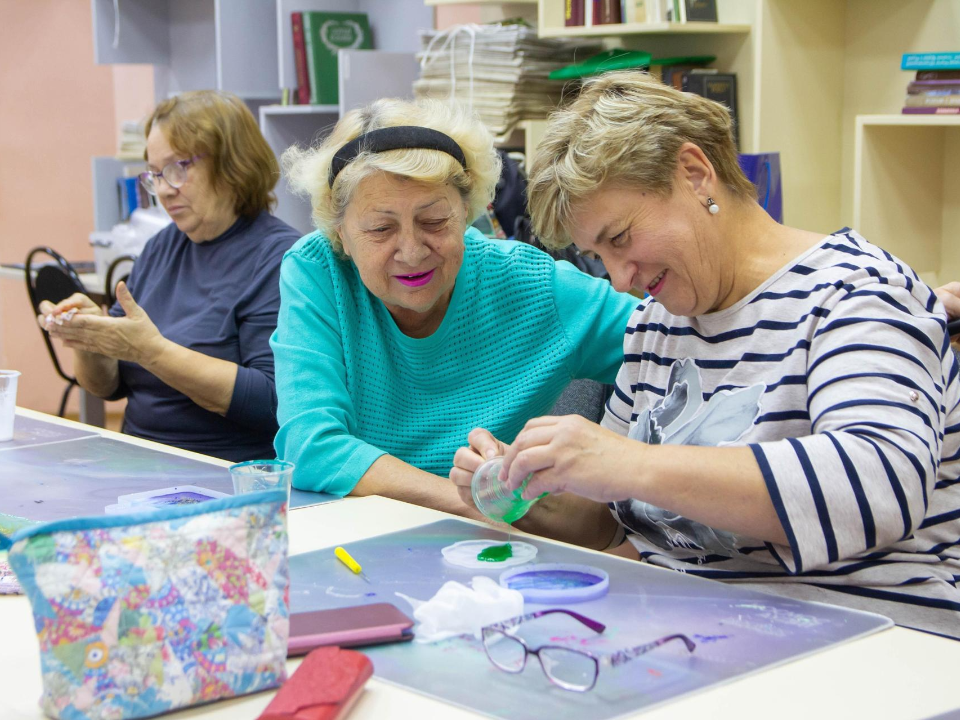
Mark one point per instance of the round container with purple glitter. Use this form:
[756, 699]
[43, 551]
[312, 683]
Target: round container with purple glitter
[553, 583]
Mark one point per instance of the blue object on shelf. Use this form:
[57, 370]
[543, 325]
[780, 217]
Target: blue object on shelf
[763, 170]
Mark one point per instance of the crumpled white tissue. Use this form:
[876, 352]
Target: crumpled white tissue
[52, 319]
[459, 610]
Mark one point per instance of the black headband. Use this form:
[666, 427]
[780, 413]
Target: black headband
[400, 137]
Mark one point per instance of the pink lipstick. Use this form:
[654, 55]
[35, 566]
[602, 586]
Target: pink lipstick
[657, 285]
[415, 280]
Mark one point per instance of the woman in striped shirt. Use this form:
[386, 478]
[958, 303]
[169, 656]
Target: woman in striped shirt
[787, 410]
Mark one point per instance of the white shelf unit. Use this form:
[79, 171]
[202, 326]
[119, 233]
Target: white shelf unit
[905, 190]
[619, 29]
[435, 3]
[805, 70]
[106, 198]
[364, 76]
[283, 127]
[194, 44]
[395, 25]
[246, 47]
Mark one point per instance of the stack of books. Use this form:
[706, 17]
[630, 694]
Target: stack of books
[317, 38]
[498, 70]
[133, 142]
[935, 89]
[605, 12]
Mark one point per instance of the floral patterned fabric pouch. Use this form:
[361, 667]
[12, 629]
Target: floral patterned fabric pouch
[148, 612]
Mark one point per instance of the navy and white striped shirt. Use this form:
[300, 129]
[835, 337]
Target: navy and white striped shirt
[838, 374]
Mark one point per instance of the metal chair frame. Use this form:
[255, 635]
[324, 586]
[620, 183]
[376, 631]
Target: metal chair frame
[67, 269]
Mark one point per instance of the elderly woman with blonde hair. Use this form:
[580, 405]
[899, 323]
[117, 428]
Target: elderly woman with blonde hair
[401, 328]
[787, 411]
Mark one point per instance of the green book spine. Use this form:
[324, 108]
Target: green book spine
[308, 43]
[326, 33]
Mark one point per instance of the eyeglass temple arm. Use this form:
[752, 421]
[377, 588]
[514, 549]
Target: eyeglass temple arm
[628, 654]
[513, 622]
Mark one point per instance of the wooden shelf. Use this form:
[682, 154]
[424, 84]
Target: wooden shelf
[945, 120]
[300, 110]
[664, 28]
[434, 3]
[906, 170]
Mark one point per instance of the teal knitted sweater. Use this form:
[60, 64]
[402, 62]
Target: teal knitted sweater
[352, 387]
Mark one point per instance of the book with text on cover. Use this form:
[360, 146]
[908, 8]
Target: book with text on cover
[300, 59]
[930, 100]
[701, 10]
[720, 87]
[931, 61]
[931, 110]
[325, 34]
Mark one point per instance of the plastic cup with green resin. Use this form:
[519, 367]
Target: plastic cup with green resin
[492, 497]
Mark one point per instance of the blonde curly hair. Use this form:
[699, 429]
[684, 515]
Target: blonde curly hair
[307, 169]
[625, 127]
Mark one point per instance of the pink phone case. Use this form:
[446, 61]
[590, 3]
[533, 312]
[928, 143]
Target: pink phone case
[348, 627]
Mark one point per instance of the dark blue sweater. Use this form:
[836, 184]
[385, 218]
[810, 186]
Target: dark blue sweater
[219, 298]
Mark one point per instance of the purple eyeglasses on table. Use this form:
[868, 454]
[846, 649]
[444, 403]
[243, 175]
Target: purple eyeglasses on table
[565, 667]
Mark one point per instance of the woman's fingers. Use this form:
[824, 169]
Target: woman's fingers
[529, 437]
[465, 463]
[532, 460]
[948, 295]
[484, 443]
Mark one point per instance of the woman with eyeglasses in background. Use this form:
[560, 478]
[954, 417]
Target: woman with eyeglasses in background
[187, 342]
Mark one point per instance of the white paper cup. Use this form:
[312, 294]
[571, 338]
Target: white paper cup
[8, 403]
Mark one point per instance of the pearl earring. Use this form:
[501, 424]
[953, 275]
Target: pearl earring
[712, 206]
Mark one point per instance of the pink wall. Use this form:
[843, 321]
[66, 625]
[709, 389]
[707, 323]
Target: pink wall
[57, 110]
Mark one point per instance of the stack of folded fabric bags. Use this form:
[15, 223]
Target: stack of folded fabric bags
[500, 70]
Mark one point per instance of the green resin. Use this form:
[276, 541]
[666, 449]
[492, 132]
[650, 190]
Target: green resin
[496, 553]
[521, 506]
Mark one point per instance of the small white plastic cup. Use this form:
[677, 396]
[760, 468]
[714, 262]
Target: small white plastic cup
[260, 475]
[8, 403]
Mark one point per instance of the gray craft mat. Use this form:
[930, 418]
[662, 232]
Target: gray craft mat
[75, 477]
[737, 631]
[31, 432]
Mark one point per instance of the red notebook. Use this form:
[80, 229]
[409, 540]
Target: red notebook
[324, 687]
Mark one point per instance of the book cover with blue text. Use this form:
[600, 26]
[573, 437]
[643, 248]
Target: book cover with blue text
[931, 61]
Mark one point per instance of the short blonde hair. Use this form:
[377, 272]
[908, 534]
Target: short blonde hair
[625, 127]
[219, 125]
[307, 169]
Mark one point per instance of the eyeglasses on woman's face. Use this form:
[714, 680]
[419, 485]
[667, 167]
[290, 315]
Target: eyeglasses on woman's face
[175, 174]
[567, 668]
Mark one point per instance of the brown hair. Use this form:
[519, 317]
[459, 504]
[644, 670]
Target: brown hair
[219, 125]
[625, 127]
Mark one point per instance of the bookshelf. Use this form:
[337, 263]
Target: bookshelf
[905, 199]
[245, 47]
[364, 76]
[620, 29]
[435, 3]
[806, 71]
[106, 203]
[193, 44]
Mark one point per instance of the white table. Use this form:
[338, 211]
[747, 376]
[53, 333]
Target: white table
[896, 673]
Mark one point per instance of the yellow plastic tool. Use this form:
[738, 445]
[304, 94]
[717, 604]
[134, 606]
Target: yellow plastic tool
[344, 557]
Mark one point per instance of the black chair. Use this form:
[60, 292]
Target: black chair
[110, 288]
[54, 281]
